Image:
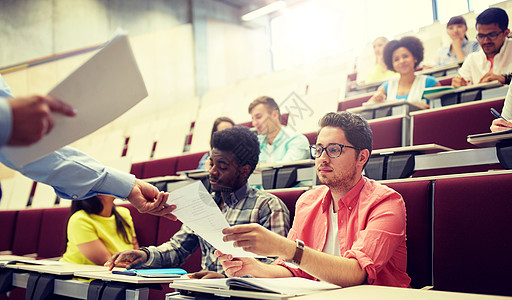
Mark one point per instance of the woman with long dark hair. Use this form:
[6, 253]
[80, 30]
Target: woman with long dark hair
[97, 229]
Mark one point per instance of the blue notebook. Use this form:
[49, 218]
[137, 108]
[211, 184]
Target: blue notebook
[171, 272]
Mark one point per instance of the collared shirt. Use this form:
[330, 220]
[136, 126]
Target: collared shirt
[446, 57]
[507, 107]
[245, 205]
[288, 146]
[73, 174]
[476, 64]
[371, 229]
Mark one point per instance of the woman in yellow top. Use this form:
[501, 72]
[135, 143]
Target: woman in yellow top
[97, 229]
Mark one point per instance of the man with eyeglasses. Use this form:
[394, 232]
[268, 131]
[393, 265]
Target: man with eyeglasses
[494, 60]
[348, 232]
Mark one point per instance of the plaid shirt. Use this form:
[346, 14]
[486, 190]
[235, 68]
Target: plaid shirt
[245, 205]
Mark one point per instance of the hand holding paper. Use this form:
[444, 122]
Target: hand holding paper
[196, 209]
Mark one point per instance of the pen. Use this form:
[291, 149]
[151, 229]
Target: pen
[497, 114]
[129, 273]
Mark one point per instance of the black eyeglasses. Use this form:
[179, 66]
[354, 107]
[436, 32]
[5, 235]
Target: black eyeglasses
[333, 150]
[491, 36]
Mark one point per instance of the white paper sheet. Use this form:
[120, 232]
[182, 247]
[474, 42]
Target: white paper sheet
[101, 90]
[196, 208]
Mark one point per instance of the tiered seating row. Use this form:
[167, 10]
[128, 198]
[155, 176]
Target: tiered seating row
[457, 231]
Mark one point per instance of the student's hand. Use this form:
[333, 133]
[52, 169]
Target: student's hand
[128, 259]
[500, 125]
[377, 97]
[205, 275]
[146, 198]
[235, 267]
[32, 118]
[458, 81]
[259, 240]
[492, 77]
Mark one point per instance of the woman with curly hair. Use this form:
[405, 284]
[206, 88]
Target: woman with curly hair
[403, 56]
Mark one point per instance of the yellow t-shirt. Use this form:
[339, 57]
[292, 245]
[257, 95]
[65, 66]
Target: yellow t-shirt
[378, 73]
[83, 228]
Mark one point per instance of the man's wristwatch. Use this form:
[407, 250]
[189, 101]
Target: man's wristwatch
[298, 252]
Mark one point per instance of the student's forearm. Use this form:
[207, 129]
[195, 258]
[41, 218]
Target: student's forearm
[334, 269]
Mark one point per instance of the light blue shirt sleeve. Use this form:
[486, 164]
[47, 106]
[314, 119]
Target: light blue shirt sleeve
[5, 112]
[75, 175]
[431, 82]
[5, 121]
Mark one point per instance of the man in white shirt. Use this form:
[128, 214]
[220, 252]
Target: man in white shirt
[494, 60]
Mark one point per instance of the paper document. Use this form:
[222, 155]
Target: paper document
[101, 90]
[196, 208]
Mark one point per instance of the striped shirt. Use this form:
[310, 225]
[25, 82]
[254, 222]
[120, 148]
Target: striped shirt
[245, 205]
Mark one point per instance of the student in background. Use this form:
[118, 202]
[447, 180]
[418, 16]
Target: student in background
[460, 46]
[494, 61]
[350, 231]
[380, 71]
[219, 124]
[278, 143]
[501, 124]
[97, 229]
[403, 56]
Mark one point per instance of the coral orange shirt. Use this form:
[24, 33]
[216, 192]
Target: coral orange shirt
[371, 229]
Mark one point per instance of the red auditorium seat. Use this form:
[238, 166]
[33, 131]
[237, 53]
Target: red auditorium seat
[52, 233]
[137, 169]
[446, 81]
[160, 167]
[26, 231]
[289, 197]
[146, 226]
[189, 161]
[311, 137]
[353, 102]
[387, 132]
[473, 234]
[418, 202]
[7, 225]
[450, 126]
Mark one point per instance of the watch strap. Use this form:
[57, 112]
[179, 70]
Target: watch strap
[299, 250]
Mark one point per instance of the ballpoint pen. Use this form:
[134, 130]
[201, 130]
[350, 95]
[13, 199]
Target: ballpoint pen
[497, 114]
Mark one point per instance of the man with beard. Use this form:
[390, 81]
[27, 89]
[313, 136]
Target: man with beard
[234, 157]
[494, 60]
[348, 232]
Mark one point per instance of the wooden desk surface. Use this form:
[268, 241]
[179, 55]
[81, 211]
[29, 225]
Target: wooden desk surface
[61, 270]
[372, 292]
[413, 106]
[480, 86]
[427, 148]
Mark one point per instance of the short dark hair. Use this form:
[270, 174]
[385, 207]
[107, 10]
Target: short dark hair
[240, 141]
[493, 15]
[457, 20]
[412, 44]
[269, 103]
[216, 124]
[356, 128]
